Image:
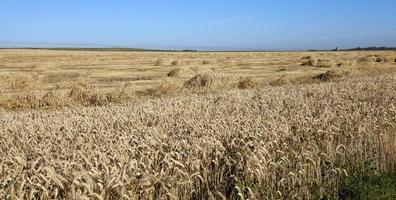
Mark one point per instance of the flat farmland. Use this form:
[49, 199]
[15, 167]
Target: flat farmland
[197, 125]
[111, 76]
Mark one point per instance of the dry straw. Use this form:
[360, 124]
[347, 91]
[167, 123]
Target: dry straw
[296, 142]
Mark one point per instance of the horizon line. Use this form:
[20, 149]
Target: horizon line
[86, 45]
[117, 48]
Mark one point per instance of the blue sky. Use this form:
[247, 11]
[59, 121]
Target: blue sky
[203, 24]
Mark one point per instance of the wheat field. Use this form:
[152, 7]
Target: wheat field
[47, 79]
[178, 125]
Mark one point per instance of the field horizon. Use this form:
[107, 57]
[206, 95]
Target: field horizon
[190, 49]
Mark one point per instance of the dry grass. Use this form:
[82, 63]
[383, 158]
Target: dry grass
[160, 62]
[247, 83]
[110, 125]
[19, 81]
[181, 72]
[177, 62]
[295, 142]
[62, 77]
[315, 62]
[280, 82]
[206, 62]
[80, 93]
[331, 75]
[24, 71]
[165, 88]
[378, 59]
[209, 81]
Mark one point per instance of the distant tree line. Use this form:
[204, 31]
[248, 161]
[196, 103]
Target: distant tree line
[373, 49]
[360, 49]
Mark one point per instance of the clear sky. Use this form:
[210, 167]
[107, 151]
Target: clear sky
[199, 24]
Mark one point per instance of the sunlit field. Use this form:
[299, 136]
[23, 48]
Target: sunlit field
[47, 79]
[196, 125]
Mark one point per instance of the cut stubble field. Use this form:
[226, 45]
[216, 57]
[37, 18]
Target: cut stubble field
[163, 125]
[47, 79]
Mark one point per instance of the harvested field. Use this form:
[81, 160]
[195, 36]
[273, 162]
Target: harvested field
[123, 76]
[138, 125]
